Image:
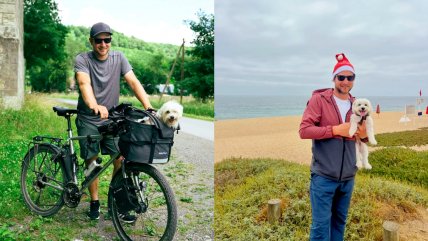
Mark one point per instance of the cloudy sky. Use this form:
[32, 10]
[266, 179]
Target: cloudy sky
[152, 21]
[287, 47]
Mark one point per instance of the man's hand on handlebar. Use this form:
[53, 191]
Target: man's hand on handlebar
[151, 110]
[101, 111]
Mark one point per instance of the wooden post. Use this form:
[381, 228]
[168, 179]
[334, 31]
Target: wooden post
[182, 73]
[171, 71]
[390, 231]
[274, 210]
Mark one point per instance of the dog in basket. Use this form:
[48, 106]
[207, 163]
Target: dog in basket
[361, 110]
[169, 113]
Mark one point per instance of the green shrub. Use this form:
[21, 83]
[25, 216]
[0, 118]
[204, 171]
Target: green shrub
[400, 164]
[243, 187]
[404, 138]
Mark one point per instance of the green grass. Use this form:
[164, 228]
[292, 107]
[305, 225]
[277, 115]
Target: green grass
[243, 187]
[401, 164]
[405, 138]
[17, 128]
[192, 108]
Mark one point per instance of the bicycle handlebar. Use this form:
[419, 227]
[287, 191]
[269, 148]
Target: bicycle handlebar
[116, 115]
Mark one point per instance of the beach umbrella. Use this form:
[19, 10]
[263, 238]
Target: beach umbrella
[378, 109]
[426, 112]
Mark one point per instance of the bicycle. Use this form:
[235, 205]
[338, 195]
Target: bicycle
[51, 171]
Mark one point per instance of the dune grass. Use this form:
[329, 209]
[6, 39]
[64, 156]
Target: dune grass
[401, 164]
[404, 138]
[243, 187]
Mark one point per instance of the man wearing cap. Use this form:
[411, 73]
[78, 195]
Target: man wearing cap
[98, 73]
[333, 168]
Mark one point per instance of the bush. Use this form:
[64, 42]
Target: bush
[243, 187]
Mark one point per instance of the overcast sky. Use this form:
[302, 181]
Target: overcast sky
[152, 21]
[288, 47]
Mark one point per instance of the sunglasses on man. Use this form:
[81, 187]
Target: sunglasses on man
[343, 77]
[100, 40]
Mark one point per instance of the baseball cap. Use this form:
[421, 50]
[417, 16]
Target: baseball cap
[100, 28]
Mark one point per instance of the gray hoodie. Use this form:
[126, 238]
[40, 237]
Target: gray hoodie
[333, 157]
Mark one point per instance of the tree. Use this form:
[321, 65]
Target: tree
[199, 79]
[44, 40]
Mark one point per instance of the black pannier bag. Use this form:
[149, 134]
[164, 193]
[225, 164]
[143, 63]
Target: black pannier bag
[145, 143]
[125, 195]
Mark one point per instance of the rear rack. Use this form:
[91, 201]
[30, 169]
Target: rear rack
[52, 139]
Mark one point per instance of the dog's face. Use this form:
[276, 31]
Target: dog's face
[361, 107]
[170, 113]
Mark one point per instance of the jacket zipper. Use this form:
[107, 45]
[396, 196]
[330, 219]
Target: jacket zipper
[343, 138]
[343, 157]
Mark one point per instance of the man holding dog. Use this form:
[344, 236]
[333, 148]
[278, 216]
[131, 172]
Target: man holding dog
[98, 73]
[326, 121]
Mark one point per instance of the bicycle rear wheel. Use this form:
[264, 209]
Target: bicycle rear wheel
[159, 220]
[42, 180]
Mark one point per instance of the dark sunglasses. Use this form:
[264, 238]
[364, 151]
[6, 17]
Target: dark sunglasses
[343, 77]
[100, 40]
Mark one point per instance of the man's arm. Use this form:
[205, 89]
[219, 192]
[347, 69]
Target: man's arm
[309, 128]
[88, 96]
[138, 89]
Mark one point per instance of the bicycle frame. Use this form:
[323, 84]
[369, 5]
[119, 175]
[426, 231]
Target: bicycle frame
[69, 142]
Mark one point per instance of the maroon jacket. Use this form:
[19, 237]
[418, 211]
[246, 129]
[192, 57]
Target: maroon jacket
[333, 157]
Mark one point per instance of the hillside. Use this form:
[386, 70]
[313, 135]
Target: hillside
[81, 34]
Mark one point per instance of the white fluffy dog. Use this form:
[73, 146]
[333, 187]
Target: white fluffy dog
[170, 113]
[361, 110]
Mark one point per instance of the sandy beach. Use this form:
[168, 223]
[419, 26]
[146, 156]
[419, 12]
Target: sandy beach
[278, 137]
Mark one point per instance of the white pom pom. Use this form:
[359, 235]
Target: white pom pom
[340, 57]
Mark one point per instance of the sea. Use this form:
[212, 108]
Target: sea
[242, 107]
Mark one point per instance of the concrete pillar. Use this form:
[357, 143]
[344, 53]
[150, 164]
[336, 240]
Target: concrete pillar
[12, 65]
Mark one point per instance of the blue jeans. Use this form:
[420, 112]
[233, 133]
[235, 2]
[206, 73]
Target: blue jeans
[330, 203]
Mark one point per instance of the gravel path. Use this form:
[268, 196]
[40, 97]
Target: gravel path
[198, 215]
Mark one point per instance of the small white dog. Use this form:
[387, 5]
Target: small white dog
[361, 110]
[170, 113]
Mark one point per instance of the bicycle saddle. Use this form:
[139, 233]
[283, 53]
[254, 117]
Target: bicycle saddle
[61, 111]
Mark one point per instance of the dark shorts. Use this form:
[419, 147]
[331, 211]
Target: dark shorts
[89, 150]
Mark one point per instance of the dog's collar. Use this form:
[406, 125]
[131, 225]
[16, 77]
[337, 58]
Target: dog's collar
[363, 118]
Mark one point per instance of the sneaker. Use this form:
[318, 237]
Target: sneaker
[94, 210]
[127, 218]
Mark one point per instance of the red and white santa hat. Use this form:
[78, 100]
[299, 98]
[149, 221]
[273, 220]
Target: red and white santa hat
[342, 64]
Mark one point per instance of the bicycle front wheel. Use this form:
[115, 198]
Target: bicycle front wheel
[42, 180]
[159, 220]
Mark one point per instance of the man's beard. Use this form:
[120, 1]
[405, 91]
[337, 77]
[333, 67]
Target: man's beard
[341, 92]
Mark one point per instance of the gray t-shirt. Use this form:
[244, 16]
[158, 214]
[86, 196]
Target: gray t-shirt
[105, 80]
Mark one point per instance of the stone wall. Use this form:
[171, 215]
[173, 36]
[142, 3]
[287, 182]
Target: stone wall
[12, 65]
